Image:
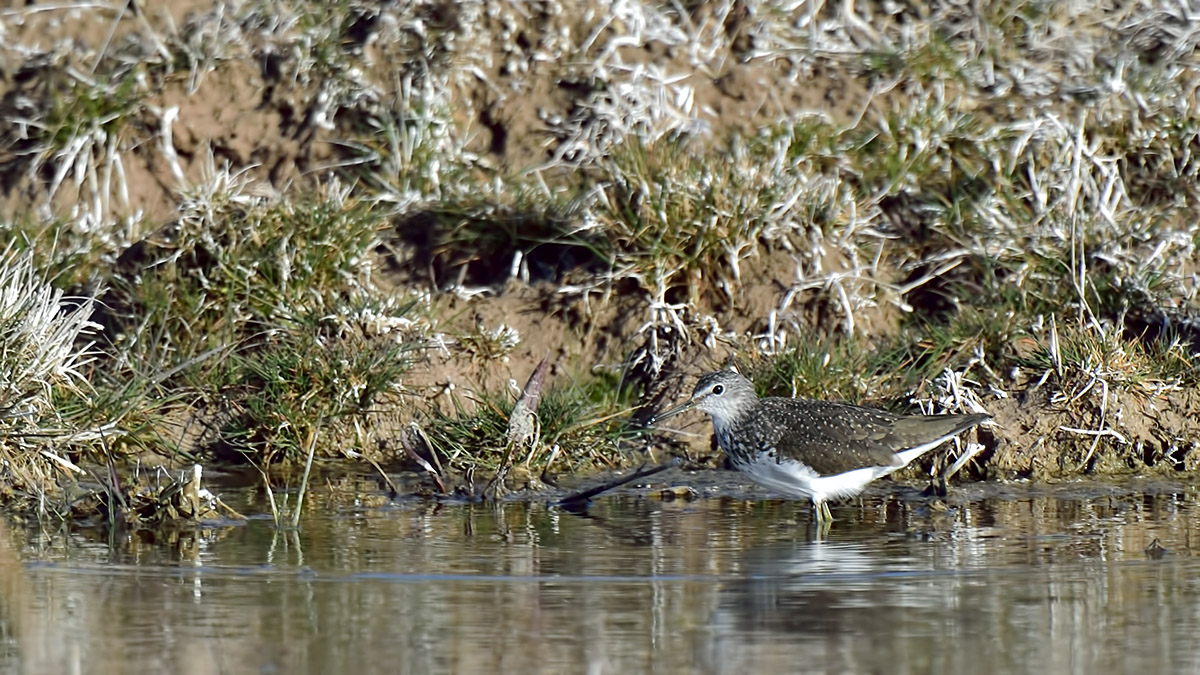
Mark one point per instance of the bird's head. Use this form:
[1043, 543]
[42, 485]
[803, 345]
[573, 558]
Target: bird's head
[724, 394]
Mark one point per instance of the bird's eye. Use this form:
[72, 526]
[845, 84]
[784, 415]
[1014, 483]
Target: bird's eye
[718, 389]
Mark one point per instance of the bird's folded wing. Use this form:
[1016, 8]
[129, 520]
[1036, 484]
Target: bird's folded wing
[831, 438]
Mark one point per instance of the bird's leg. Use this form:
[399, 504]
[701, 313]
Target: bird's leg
[821, 520]
[821, 511]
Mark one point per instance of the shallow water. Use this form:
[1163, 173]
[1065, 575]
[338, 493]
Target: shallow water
[1010, 578]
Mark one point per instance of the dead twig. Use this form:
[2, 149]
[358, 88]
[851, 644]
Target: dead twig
[578, 498]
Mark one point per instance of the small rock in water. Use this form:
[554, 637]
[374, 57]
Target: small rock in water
[683, 492]
[1156, 551]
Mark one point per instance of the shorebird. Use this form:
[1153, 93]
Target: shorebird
[817, 450]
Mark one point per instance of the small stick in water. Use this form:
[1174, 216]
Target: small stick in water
[578, 498]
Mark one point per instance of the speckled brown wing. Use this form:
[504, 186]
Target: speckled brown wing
[832, 438]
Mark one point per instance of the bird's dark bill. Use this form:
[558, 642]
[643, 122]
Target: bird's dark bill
[671, 413]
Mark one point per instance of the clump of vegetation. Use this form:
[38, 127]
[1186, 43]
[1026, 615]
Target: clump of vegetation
[45, 357]
[578, 425]
[301, 381]
[265, 311]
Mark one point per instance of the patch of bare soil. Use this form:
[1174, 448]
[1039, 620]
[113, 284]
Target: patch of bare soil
[1038, 438]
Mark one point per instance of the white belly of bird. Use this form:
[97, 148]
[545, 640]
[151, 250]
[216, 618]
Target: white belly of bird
[793, 479]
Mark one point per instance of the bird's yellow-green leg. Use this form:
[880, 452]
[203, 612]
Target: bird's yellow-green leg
[822, 511]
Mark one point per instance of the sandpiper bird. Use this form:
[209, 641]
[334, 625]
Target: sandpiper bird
[815, 449]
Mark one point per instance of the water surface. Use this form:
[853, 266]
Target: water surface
[1008, 578]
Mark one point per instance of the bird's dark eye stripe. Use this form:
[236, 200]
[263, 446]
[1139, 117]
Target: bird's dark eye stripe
[719, 389]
